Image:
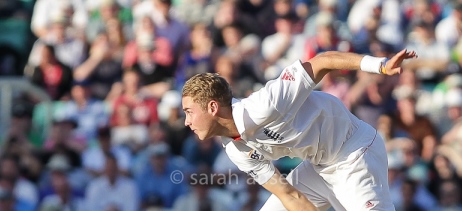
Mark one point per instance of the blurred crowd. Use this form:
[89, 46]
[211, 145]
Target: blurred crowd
[113, 137]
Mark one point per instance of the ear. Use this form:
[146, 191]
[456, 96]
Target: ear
[212, 107]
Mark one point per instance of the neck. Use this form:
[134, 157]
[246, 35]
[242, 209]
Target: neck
[227, 127]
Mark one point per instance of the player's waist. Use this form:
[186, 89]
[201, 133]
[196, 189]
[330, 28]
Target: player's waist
[361, 137]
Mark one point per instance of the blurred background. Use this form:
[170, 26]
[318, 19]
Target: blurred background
[90, 110]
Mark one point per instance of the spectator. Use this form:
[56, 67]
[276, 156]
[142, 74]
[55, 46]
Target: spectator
[62, 135]
[397, 177]
[242, 50]
[108, 10]
[23, 190]
[90, 113]
[101, 69]
[453, 114]
[385, 127]
[94, 158]
[198, 58]
[227, 14]
[235, 181]
[443, 170]
[327, 7]
[282, 8]
[253, 198]
[143, 108]
[51, 75]
[203, 195]
[9, 202]
[450, 196]
[62, 196]
[172, 29]
[152, 57]
[172, 119]
[199, 153]
[371, 95]
[61, 162]
[235, 75]
[44, 10]
[408, 190]
[146, 39]
[17, 140]
[155, 183]
[409, 124]
[69, 48]
[116, 37]
[434, 59]
[196, 11]
[282, 47]
[111, 190]
[448, 30]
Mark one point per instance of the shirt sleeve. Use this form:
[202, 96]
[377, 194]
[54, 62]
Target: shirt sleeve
[250, 161]
[287, 92]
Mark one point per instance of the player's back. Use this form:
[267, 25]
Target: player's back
[315, 131]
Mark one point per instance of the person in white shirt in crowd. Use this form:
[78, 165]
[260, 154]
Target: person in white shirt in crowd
[448, 30]
[434, 59]
[94, 159]
[44, 10]
[282, 47]
[112, 191]
[345, 164]
[69, 47]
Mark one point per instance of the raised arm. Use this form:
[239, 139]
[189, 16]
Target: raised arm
[318, 66]
[291, 198]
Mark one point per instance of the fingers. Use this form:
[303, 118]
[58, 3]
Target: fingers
[411, 54]
[404, 54]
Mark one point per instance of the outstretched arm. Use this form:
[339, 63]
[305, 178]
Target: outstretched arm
[318, 66]
[291, 198]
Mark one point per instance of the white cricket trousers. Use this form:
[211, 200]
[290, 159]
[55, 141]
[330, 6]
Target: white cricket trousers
[356, 181]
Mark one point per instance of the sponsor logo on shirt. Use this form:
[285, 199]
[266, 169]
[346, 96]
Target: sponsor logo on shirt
[287, 76]
[273, 135]
[369, 204]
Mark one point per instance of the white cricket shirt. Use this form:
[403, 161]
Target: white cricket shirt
[288, 118]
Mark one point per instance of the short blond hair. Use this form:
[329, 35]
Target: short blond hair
[204, 87]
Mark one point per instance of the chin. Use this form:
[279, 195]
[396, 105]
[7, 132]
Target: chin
[200, 137]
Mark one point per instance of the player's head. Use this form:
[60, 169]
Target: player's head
[203, 88]
[203, 96]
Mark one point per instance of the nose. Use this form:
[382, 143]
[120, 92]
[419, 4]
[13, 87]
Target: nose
[187, 123]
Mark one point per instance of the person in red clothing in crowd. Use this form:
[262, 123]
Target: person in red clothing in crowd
[151, 56]
[145, 39]
[52, 75]
[143, 107]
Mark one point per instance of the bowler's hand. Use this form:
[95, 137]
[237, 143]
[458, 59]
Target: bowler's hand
[393, 66]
